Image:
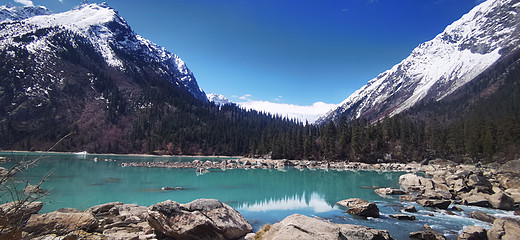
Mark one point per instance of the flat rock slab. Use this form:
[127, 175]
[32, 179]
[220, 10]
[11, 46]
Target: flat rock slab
[389, 191]
[360, 207]
[306, 228]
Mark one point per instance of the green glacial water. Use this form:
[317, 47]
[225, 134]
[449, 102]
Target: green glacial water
[261, 196]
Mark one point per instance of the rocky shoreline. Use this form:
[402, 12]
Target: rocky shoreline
[444, 183]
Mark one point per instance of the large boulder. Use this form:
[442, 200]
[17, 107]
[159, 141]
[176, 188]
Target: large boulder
[482, 216]
[501, 200]
[479, 182]
[473, 233]
[60, 223]
[200, 219]
[427, 234]
[302, 228]
[17, 213]
[511, 167]
[475, 198]
[412, 182]
[360, 207]
[504, 229]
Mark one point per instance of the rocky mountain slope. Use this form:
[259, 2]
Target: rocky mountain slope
[84, 71]
[437, 68]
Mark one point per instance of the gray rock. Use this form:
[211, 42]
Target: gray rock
[435, 203]
[389, 191]
[402, 217]
[504, 229]
[200, 219]
[427, 234]
[302, 228]
[501, 200]
[410, 182]
[60, 223]
[480, 182]
[17, 213]
[511, 167]
[103, 208]
[482, 216]
[473, 233]
[475, 198]
[360, 207]
[410, 208]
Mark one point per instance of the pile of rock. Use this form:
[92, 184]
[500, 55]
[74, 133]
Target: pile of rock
[200, 219]
[469, 185]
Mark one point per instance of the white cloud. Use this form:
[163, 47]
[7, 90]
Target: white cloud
[303, 113]
[27, 3]
[245, 97]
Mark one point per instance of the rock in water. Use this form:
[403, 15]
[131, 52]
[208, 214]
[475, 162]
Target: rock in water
[473, 233]
[442, 204]
[302, 227]
[389, 191]
[427, 234]
[482, 216]
[402, 217]
[504, 229]
[200, 219]
[360, 207]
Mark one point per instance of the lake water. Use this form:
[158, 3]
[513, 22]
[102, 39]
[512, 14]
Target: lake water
[261, 196]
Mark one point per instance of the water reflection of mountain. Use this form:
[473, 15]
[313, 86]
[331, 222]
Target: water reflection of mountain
[315, 203]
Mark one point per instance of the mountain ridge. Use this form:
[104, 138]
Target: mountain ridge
[440, 66]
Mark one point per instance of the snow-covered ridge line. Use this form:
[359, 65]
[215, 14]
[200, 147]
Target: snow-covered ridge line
[438, 67]
[107, 32]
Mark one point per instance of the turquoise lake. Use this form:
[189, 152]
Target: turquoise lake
[261, 196]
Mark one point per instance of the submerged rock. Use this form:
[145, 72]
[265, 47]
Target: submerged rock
[302, 227]
[200, 219]
[360, 207]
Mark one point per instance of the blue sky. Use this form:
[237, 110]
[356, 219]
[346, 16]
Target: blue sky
[286, 51]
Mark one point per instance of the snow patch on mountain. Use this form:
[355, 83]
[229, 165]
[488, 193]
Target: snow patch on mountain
[436, 68]
[218, 99]
[14, 13]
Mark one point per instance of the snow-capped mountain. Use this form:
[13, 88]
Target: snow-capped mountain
[218, 99]
[437, 68]
[102, 28]
[14, 13]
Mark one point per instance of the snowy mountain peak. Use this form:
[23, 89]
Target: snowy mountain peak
[440, 66]
[110, 36]
[218, 99]
[11, 13]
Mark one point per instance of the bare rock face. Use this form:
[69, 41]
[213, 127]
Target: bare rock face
[473, 233]
[200, 219]
[302, 228]
[504, 229]
[60, 223]
[360, 207]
